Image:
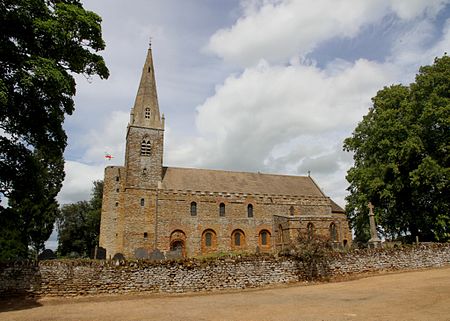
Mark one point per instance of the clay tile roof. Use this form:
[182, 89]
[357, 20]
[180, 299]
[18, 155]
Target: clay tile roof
[336, 208]
[238, 182]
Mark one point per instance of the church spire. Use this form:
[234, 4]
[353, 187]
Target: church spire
[145, 112]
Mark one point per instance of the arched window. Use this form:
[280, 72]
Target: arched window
[237, 240]
[222, 209]
[249, 210]
[146, 147]
[193, 209]
[142, 202]
[291, 210]
[209, 241]
[147, 113]
[310, 230]
[333, 232]
[264, 238]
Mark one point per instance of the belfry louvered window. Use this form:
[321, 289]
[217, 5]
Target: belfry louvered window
[147, 113]
[146, 148]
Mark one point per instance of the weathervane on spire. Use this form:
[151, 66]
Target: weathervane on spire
[150, 42]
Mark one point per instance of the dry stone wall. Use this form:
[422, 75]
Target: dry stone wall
[390, 259]
[73, 278]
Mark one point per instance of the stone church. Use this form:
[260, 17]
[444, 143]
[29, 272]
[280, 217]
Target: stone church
[148, 206]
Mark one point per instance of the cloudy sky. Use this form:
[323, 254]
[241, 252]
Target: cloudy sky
[252, 85]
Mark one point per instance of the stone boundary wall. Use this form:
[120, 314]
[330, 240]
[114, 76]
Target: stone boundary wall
[90, 277]
[391, 259]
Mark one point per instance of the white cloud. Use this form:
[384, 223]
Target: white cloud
[278, 30]
[410, 52]
[243, 125]
[107, 137]
[409, 9]
[78, 181]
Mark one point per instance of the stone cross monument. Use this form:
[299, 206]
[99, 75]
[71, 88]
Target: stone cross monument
[374, 241]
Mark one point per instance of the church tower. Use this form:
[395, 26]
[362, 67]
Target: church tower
[129, 208]
[145, 134]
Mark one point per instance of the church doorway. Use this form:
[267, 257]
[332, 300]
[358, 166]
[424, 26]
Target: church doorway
[178, 242]
[177, 245]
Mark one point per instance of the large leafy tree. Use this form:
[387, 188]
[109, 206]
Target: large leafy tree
[79, 224]
[42, 44]
[402, 159]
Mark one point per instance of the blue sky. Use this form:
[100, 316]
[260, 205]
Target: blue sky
[252, 85]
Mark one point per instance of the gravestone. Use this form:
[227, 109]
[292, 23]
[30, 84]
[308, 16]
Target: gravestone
[101, 253]
[73, 255]
[98, 253]
[174, 255]
[118, 257]
[141, 253]
[156, 255]
[47, 254]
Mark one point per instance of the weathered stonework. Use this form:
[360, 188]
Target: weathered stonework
[148, 207]
[89, 277]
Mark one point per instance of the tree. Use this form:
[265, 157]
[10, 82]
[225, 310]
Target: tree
[402, 159]
[312, 253]
[42, 43]
[79, 224]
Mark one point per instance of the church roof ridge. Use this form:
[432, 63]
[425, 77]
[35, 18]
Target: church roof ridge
[235, 171]
[196, 179]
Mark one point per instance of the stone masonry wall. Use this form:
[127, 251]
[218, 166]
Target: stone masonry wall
[72, 278]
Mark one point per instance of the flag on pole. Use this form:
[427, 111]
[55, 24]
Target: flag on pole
[108, 156]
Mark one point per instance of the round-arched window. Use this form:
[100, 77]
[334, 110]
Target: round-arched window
[249, 210]
[264, 238]
[222, 209]
[193, 209]
[238, 239]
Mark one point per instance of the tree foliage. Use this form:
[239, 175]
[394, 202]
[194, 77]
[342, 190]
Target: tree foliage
[402, 159]
[79, 224]
[312, 254]
[42, 43]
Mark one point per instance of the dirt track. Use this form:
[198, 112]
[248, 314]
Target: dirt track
[423, 295]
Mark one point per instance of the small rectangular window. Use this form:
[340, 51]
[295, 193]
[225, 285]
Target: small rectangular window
[142, 202]
[193, 209]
